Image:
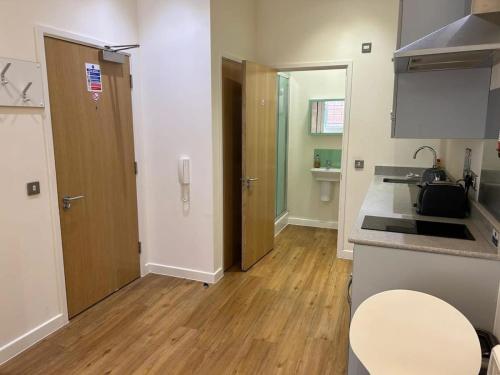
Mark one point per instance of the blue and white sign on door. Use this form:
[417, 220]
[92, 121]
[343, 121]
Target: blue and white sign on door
[94, 79]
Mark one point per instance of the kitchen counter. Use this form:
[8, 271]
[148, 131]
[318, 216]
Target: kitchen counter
[397, 201]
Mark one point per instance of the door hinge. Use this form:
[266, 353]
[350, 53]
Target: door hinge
[139, 247]
[136, 168]
[131, 81]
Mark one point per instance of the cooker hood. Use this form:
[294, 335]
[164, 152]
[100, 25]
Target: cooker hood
[470, 42]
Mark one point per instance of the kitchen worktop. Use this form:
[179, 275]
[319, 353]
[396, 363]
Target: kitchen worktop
[397, 200]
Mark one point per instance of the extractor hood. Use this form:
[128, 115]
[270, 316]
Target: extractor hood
[470, 42]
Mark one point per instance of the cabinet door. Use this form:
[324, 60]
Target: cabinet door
[422, 17]
[442, 104]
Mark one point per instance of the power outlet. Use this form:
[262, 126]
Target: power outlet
[474, 180]
[495, 238]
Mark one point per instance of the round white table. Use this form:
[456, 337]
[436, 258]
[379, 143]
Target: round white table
[405, 332]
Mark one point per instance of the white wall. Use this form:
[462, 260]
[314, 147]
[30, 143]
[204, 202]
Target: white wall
[303, 191]
[453, 155]
[176, 97]
[302, 31]
[31, 295]
[454, 150]
[490, 155]
[234, 35]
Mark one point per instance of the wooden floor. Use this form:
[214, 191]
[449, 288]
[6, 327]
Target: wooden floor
[288, 314]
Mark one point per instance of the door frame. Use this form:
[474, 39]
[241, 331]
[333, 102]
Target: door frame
[41, 32]
[332, 65]
[217, 147]
[284, 215]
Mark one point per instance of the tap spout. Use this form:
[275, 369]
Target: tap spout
[434, 153]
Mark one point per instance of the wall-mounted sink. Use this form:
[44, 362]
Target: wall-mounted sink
[326, 177]
[326, 174]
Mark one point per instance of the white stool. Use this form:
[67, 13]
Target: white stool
[405, 332]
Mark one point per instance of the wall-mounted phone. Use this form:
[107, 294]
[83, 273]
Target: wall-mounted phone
[185, 176]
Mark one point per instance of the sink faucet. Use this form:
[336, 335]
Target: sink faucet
[434, 165]
[328, 164]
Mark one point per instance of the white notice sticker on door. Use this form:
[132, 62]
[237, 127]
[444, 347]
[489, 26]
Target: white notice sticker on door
[94, 79]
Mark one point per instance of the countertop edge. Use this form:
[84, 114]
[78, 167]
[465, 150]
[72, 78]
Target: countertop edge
[425, 249]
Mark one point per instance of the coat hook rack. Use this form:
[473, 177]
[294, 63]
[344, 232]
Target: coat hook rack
[25, 92]
[21, 83]
[3, 80]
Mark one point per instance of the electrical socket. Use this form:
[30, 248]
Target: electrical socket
[495, 238]
[474, 180]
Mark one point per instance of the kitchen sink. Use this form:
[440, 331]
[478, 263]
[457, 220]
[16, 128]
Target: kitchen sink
[402, 180]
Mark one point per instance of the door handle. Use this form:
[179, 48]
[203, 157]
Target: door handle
[67, 200]
[248, 181]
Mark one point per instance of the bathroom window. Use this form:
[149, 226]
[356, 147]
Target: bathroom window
[334, 117]
[327, 116]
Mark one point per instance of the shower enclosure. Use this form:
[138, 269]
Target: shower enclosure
[282, 145]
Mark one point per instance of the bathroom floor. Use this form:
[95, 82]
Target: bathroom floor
[287, 314]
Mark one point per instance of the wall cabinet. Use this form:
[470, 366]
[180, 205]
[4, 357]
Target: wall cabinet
[438, 104]
[442, 104]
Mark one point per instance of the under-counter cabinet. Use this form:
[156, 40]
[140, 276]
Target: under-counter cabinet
[468, 284]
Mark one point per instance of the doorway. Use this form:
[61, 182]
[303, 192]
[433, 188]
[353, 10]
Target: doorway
[328, 138]
[312, 119]
[95, 166]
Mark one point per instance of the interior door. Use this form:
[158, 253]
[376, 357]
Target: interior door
[94, 154]
[259, 161]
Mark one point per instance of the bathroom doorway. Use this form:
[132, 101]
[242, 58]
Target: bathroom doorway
[303, 115]
[312, 140]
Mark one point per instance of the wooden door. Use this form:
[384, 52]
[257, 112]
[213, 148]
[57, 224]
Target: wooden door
[231, 140]
[94, 154]
[259, 161]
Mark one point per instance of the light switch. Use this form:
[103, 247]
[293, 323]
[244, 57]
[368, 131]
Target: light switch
[33, 188]
[366, 48]
[359, 164]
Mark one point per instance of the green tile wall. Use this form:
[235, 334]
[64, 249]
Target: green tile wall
[335, 156]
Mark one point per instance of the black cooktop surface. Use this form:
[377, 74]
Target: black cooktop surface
[419, 227]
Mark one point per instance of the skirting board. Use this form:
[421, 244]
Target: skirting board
[346, 254]
[313, 223]
[280, 224]
[185, 273]
[17, 346]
